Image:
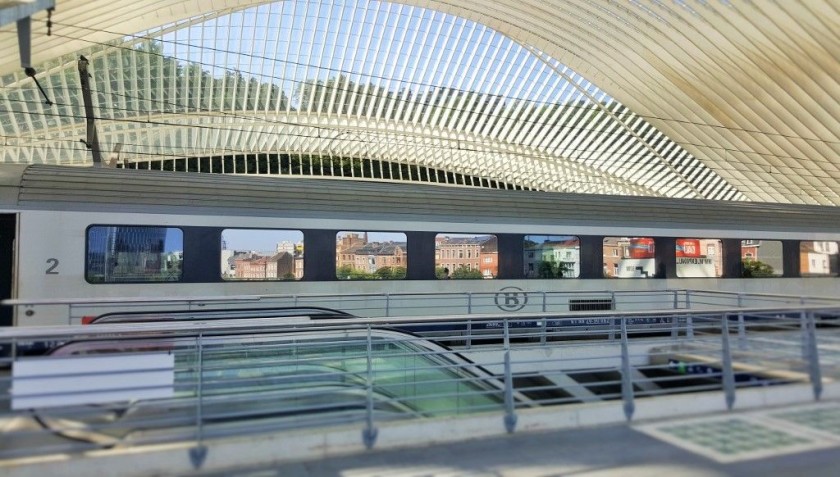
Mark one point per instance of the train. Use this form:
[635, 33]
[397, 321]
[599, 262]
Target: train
[115, 234]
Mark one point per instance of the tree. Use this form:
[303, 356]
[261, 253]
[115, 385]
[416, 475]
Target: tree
[552, 269]
[383, 273]
[756, 269]
[343, 272]
[463, 273]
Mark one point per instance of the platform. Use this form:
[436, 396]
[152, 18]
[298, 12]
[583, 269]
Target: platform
[799, 440]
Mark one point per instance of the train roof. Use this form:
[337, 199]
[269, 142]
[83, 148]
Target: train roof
[105, 189]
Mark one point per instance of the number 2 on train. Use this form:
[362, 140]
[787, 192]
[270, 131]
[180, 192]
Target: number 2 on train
[53, 264]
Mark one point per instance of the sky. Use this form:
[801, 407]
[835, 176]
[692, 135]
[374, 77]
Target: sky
[392, 45]
[267, 240]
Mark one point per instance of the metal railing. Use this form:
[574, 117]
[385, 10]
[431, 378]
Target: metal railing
[76, 388]
[505, 300]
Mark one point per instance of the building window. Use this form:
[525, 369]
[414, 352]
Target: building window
[262, 254]
[129, 253]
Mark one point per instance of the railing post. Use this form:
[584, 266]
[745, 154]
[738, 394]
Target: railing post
[613, 321]
[675, 327]
[544, 302]
[544, 330]
[676, 300]
[728, 374]
[626, 377]
[510, 411]
[688, 299]
[199, 453]
[469, 303]
[689, 327]
[369, 432]
[387, 305]
[742, 332]
[468, 343]
[814, 357]
[803, 329]
[740, 300]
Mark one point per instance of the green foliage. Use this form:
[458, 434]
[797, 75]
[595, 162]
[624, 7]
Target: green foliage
[756, 269]
[390, 273]
[552, 269]
[463, 273]
[440, 274]
[347, 272]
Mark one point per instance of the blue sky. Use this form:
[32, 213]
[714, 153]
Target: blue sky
[369, 41]
[266, 240]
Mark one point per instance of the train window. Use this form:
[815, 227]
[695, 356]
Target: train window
[262, 254]
[371, 256]
[699, 258]
[629, 257]
[761, 258]
[466, 256]
[130, 254]
[818, 259]
[551, 256]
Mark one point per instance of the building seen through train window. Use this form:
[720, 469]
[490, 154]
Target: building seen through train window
[466, 256]
[258, 254]
[551, 256]
[699, 258]
[761, 258]
[818, 259]
[371, 256]
[629, 257]
[126, 254]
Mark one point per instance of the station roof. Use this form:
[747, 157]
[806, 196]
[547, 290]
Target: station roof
[717, 99]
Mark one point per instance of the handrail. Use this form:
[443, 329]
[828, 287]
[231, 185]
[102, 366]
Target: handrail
[262, 324]
[391, 296]
[248, 375]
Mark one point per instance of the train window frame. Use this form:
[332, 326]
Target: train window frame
[267, 279]
[751, 267]
[690, 251]
[529, 254]
[349, 277]
[827, 261]
[627, 254]
[447, 268]
[87, 263]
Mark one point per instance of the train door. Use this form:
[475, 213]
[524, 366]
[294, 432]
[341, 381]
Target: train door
[7, 244]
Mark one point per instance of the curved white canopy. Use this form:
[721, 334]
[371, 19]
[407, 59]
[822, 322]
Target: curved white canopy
[748, 91]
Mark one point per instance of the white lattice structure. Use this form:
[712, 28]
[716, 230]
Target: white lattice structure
[718, 99]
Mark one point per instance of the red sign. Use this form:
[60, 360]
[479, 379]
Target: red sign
[688, 248]
[641, 247]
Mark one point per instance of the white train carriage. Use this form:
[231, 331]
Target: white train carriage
[85, 233]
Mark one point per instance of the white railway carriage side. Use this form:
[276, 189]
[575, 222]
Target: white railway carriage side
[48, 216]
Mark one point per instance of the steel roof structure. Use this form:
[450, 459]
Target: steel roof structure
[720, 99]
